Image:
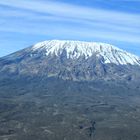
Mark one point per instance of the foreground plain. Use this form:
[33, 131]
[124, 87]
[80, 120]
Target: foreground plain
[54, 109]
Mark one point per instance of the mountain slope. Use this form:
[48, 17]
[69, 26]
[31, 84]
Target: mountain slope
[73, 60]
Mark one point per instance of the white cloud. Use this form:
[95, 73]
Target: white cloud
[72, 11]
[66, 19]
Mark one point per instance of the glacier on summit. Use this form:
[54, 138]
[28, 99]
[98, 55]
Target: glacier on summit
[75, 49]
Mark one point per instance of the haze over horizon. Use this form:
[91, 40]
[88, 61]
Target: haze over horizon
[24, 23]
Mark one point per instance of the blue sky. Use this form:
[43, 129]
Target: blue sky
[25, 22]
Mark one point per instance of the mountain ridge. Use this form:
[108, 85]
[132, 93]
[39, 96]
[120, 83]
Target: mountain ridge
[71, 60]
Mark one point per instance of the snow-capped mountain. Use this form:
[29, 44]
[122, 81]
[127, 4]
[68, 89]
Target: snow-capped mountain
[75, 49]
[72, 60]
